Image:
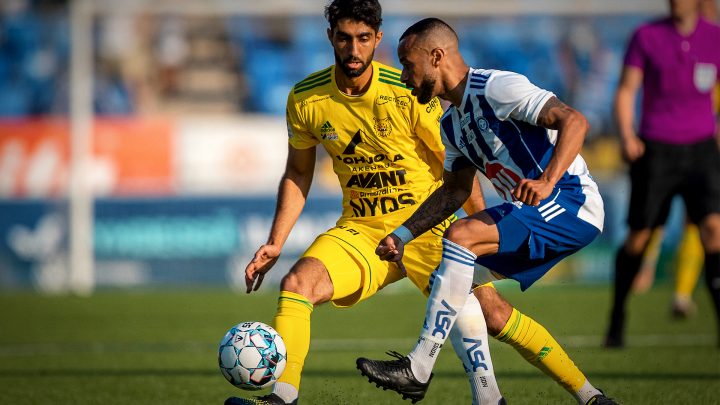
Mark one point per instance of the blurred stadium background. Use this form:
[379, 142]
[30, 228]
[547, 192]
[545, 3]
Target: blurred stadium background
[141, 143]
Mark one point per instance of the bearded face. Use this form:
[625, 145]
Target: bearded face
[352, 66]
[425, 90]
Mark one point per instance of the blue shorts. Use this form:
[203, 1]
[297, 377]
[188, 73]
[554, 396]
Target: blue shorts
[534, 239]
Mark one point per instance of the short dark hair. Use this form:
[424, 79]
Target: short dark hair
[426, 25]
[367, 11]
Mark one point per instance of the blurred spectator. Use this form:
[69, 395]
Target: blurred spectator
[171, 52]
[146, 62]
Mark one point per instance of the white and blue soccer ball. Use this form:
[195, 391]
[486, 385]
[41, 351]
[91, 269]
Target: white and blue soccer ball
[252, 355]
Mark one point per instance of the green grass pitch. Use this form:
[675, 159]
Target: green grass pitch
[159, 347]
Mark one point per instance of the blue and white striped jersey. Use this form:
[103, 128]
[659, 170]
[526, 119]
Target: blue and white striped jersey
[495, 130]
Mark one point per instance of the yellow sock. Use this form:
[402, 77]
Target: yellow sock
[541, 350]
[292, 322]
[690, 259]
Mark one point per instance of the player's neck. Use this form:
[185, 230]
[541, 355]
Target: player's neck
[353, 86]
[685, 24]
[455, 87]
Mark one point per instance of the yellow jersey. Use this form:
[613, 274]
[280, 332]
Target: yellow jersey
[382, 143]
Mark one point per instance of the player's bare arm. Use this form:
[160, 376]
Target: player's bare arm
[443, 202]
[476, 201]
[572, 127]
[630, 83]
[292, 193]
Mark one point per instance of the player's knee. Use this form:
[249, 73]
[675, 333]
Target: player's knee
[308, 279]
[458, 232]
[292, 283]
[637, 242]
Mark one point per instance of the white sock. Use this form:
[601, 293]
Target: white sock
[470, 340]
[451, 285]
[286, 391]
[586, 392]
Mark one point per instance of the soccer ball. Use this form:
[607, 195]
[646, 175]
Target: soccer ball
[252, 355]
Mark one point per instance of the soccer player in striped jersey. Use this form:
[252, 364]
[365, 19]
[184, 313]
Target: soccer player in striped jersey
[527, 143]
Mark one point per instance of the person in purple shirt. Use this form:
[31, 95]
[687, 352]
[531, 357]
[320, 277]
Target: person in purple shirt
[676, 62]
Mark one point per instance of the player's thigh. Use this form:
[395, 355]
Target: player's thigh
[348, 253]
[532, 242]
[477, 232]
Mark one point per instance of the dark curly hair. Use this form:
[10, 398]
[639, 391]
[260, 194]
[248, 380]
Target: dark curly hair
[367, 11]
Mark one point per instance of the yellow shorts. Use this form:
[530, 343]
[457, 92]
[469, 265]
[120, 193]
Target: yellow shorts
[348, 253]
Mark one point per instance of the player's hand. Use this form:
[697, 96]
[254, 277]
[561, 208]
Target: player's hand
[632, 148]
[390, 248]
[262, 262]
[531, 192]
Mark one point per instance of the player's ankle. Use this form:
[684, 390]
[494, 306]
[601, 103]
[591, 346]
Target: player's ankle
[286, 391]
[422, 359]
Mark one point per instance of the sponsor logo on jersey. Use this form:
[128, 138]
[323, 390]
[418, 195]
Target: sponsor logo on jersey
[304, 103]
[370, 163]
[379, 158]
[327, 132]
[377, 180]
[382, 126]
[466, 139]
[366, 206]
[400, 101]
[503, 178]
[432, 105]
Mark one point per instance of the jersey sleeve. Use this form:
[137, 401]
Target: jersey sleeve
[299, 136]
[427, 123]
[512, 95]
[454, 159]
[635, 52]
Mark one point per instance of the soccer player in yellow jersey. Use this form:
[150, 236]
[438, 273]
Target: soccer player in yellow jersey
[387, 155]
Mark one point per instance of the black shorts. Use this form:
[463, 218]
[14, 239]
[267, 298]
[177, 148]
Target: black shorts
[666, 170]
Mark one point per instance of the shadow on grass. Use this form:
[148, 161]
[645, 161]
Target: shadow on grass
[132, 373]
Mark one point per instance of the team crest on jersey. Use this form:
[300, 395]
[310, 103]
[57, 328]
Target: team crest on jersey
[482, 123]
[327, 132]
[382, 126]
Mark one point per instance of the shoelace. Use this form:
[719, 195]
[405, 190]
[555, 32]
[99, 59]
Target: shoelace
[395, 354]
